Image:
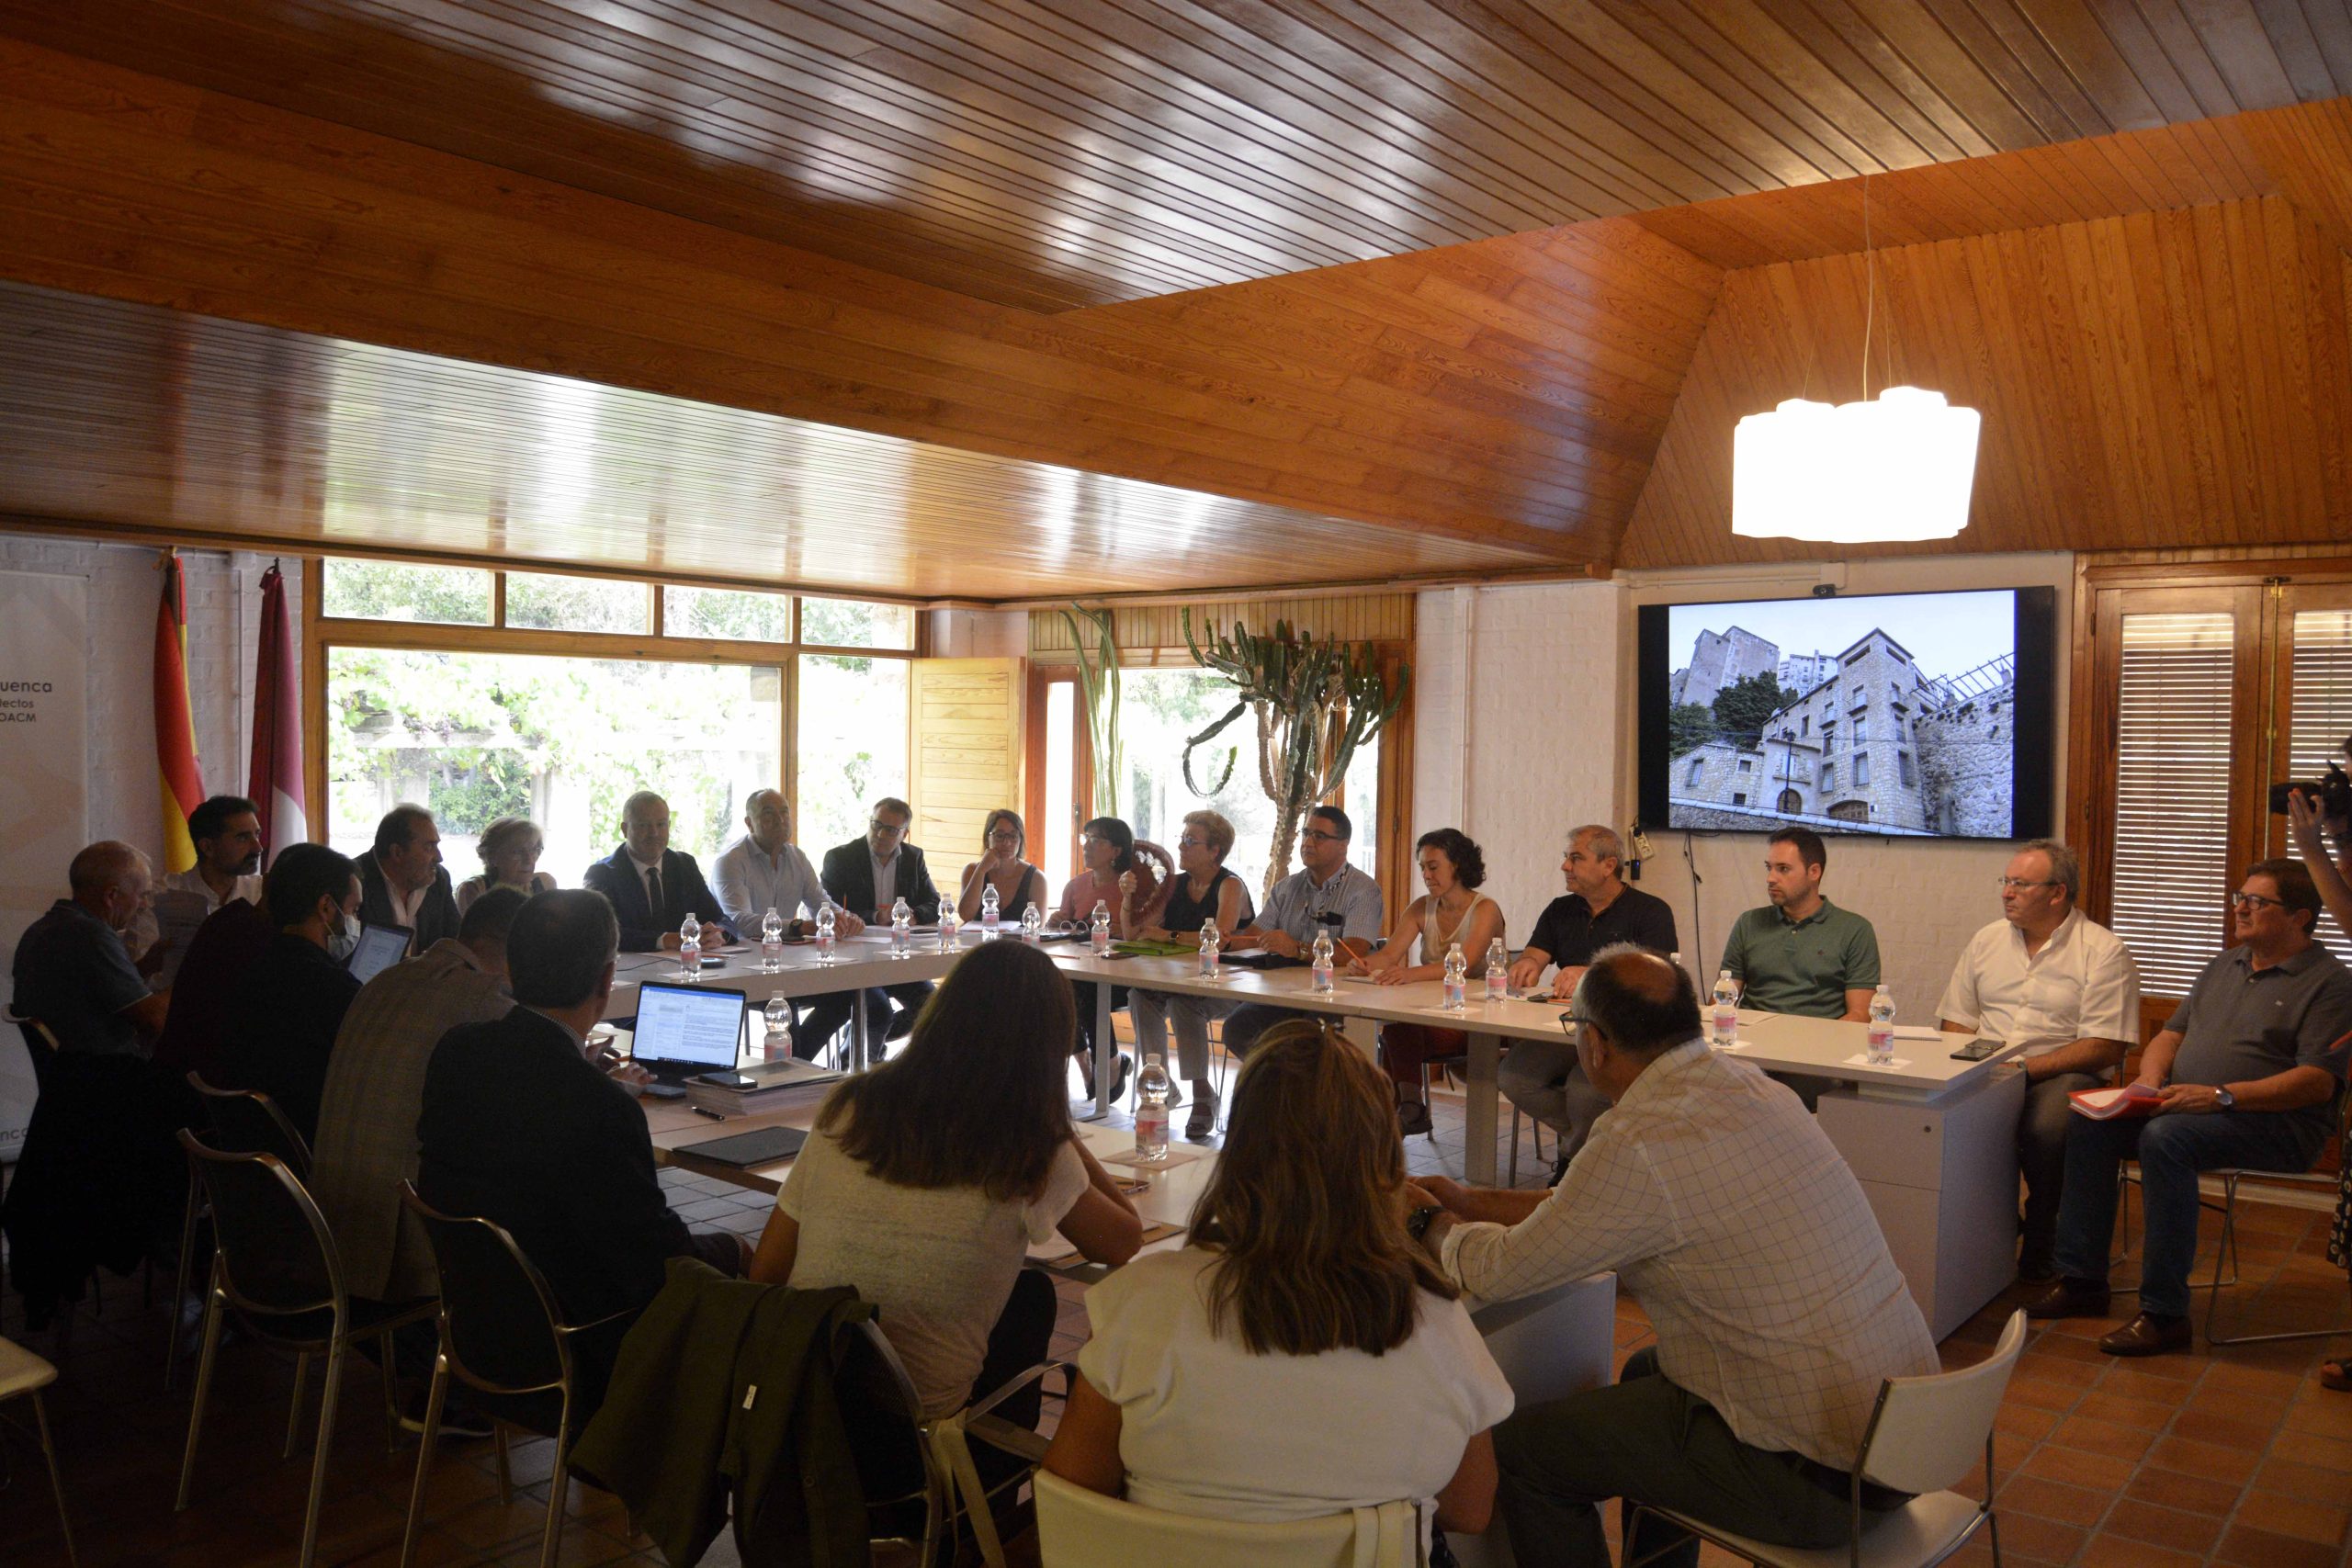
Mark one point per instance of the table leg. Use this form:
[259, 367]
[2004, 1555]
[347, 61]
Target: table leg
[1479, 1110]
[857, 1034]
[1106, 1053]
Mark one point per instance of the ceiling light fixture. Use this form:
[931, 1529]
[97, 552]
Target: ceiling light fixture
[1895, 467]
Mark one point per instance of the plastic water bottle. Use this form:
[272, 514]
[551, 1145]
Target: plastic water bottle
[1151, 1112]
[771, 942]
[1102, 924]
[1320, 953]
[1457, 978]
[690, 947]
[1209, 947]
[948, 926]
[1498, 971]
[777, 1046]
[825, 923]
[1726, 1014]
[988, 916]
[1881, 1048]
[902, 929]
[1033, 922]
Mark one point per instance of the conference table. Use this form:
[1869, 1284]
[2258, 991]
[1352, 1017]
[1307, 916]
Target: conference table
[1931, 1140]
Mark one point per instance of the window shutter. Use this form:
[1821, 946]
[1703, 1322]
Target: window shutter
[2172, 794]
[2320, 715]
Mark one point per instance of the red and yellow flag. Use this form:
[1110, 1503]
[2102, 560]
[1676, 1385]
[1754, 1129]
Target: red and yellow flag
[176, 772]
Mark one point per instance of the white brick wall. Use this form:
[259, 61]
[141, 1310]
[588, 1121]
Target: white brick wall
[223, 622]
[1546, 740]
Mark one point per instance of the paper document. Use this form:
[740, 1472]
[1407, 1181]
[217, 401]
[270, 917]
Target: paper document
[2107, 1104]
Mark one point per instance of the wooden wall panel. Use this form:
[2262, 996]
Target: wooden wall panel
[964, 753]
[2179, 378]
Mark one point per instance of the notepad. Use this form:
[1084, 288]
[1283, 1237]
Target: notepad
[763, 1145]
[2108, 1104]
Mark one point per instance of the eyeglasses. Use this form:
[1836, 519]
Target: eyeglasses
[1321, 837]
[2255, 901]
[888, 830]
[2022, 883]
[1004, 837]
[1190, 843]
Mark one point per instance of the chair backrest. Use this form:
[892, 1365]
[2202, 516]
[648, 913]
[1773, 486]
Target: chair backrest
[884, 1415]
[276, 1253]
[1927, 1431]
[247, 1122]
[501, 1318]
[40, 1044]
[1078, 1529]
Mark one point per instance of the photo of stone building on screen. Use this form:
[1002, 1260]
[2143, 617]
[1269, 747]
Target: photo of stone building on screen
[1861, 740]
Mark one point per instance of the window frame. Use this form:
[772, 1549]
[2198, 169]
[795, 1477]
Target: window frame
[322, 633]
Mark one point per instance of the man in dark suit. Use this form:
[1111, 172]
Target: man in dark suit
[402, 882]
[653, 887]
[519, 1127]
[281, 1023]
[868, 875]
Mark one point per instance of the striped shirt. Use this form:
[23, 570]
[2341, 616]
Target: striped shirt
[1729, 1216]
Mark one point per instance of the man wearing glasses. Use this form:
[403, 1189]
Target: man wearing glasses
[2067, 987]
[2248, 1068]
[1326, 895]
[868, 875]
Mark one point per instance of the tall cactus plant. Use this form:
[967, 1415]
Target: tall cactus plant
[1090, 633]
[1315, 701]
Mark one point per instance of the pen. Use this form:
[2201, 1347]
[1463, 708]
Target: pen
[706, 1110]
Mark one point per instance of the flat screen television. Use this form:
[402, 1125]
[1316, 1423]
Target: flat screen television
[1899, 714]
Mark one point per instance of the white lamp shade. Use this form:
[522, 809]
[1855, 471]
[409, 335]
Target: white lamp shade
[1899, 467]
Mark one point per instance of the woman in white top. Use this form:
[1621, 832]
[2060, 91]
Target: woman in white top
[510, 850]
[1453, 912]
[927, 1178]
[1299, 1355]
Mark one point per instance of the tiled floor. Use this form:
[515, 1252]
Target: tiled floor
[2232, 1456]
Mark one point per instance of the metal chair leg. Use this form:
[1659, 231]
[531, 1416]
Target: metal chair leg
[319, 1460]
[294, 1409]
[505, 1476]
[179, 1288]
[56, 1479]
[424, 1446]
[1513, 1180]
[559, 1484]
[204, 1357]
[391, 1398]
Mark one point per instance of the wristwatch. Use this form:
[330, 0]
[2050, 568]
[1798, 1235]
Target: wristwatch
[2223, 1099]
[1416, 1224]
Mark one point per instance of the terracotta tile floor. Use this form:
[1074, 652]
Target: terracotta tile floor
[2234, 1457]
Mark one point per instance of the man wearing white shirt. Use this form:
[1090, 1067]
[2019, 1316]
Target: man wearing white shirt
[1727, 1213]
[2044, 974]
[764, 869]
[226, 831]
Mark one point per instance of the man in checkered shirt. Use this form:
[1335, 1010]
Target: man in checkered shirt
[1728, 1214]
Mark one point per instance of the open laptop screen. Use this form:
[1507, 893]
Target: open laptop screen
[689, 1025]
[379, 948]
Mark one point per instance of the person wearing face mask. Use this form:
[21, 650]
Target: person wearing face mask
[282, 1022]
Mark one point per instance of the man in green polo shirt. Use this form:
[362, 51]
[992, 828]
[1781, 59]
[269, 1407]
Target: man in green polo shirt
[1801, 954]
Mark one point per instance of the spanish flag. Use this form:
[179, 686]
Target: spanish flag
[176, 771]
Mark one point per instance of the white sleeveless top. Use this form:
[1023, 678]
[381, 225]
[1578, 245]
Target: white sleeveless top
[1432, 945]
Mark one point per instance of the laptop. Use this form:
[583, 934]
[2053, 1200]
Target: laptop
[686, 1030]
[379, 948]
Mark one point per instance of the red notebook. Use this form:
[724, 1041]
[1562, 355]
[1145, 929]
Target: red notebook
[2107, 1104]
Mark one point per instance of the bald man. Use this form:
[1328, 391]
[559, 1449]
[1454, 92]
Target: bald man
[653, 887]
[765, 869]
[73, 972]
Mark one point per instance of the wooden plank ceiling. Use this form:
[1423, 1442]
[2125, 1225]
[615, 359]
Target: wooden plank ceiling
[1027, 298]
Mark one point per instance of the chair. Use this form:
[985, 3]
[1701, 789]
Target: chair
[1078, 1529]
[876, 1393]
[23, 1372]
[1454, 1063]
[1924, 1433]
[503, 1336]
[2229, 1178]
[243, 1121]
[273, 1263]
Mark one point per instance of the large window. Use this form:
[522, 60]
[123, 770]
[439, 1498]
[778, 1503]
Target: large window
[481, 693]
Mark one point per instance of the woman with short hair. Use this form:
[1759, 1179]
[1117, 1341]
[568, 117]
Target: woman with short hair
[1003, 841]
[510, 850]
[1453, 912]
[1203, 891]
[926, 1179]
[1300, 1355]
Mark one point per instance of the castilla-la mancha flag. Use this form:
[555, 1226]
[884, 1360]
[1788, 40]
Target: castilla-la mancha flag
[175, 765]
[274, 784]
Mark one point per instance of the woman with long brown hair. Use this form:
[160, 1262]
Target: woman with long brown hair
[1300, 1355]
[926, 1179]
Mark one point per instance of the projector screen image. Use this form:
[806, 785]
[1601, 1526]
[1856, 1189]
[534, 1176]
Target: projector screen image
[1896, 714]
